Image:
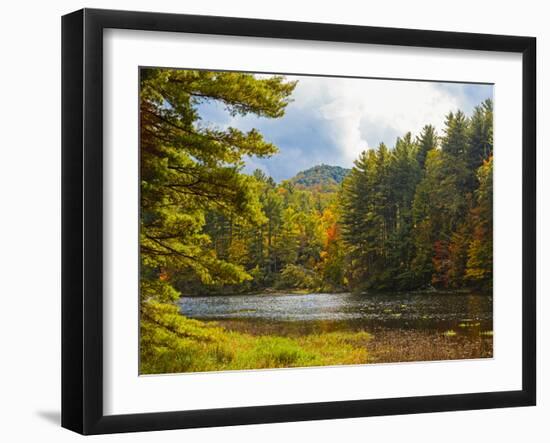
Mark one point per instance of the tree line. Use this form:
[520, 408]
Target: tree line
[420, 214]
[415, 216]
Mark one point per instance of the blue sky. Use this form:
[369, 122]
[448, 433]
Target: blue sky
[332, 120]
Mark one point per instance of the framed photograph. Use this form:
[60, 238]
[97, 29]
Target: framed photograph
[269, 221]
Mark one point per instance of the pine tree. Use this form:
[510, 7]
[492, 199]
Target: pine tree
[426, 141]
[190, 170]
[455, 141]
[479, 270]
[480, 140]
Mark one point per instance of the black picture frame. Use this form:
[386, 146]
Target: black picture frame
[82, 219]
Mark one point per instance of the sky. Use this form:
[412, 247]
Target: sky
[332, 120]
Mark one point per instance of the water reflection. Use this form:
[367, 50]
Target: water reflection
[290, 314]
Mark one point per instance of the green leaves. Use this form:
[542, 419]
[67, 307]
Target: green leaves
[479, 269]
[409, 218]
[406, 217]
[189, 170]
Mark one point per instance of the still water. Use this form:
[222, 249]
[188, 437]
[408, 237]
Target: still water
[298, 314]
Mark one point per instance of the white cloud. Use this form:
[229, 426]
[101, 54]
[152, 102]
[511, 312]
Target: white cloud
[357, 111]
[331, 120]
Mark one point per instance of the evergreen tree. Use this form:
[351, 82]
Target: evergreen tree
[405, 174]
[360, 222]
[188, 171]
[426, 141]
[480, 143]
[455, 141]
[402, 218]
[440, 206]
[479, 270]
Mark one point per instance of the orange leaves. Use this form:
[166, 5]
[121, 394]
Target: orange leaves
[164, 276]
[332, 233]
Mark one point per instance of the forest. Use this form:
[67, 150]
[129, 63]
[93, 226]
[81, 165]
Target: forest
[409, 217]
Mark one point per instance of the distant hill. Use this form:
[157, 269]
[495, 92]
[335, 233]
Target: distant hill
[320, 175]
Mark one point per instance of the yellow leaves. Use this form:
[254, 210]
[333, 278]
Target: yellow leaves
[172, 325]
[238, 251]
[329, 216]
[190, 169]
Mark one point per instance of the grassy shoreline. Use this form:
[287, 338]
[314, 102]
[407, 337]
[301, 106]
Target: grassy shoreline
[188, 345]
[181, 344]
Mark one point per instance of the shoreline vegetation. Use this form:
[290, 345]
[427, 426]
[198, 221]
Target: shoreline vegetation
[282, 292]
[198, 346]
[218, 345]
[404, 218]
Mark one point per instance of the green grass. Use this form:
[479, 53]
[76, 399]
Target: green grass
[171, 343]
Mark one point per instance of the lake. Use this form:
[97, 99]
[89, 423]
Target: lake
[283, 313]
[403, 326]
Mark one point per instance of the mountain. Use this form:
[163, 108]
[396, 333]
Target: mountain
[320, 175]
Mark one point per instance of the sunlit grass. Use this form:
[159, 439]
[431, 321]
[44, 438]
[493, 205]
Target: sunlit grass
[172, 343]
[177, 344]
